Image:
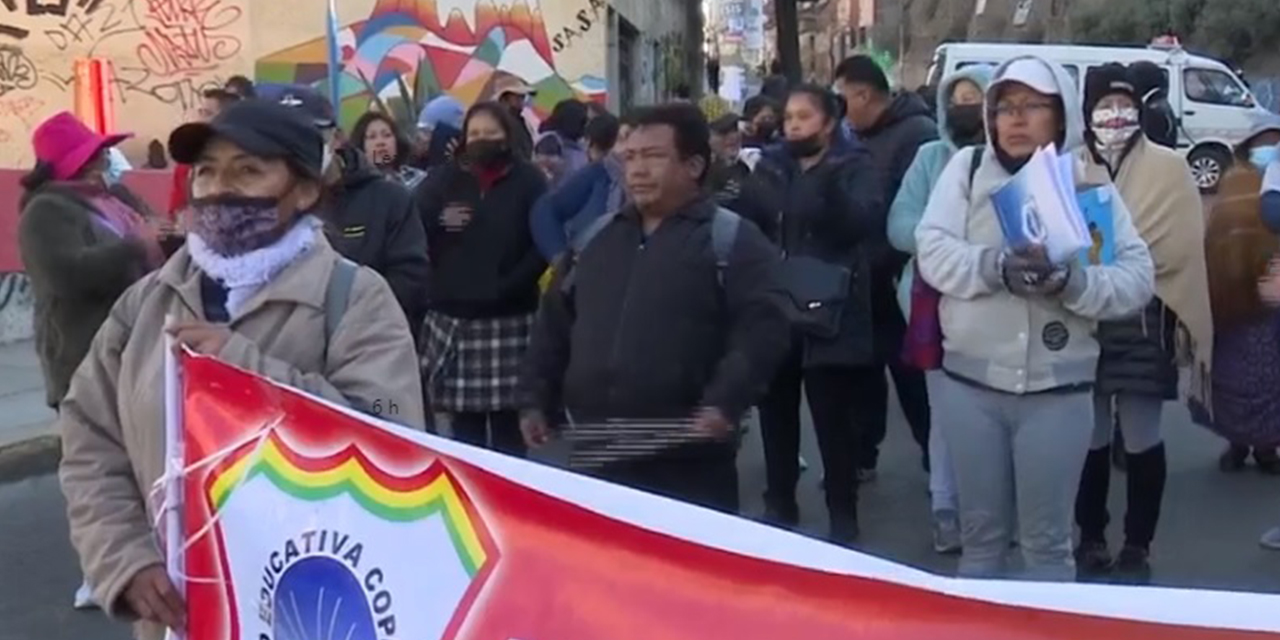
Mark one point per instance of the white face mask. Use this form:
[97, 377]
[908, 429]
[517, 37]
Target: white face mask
[1113, 128]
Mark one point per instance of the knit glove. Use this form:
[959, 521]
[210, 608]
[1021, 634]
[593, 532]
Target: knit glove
[1025, 273]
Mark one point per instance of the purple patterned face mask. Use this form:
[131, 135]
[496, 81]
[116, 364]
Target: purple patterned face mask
[234, 225]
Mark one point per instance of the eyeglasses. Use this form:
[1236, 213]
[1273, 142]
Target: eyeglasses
[1019, 110]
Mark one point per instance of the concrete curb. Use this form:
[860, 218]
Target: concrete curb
[29, 457]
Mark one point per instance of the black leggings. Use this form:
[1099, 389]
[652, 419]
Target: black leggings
[497, 430]
[828, 391]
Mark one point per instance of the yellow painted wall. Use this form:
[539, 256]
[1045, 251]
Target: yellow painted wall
[165, 52]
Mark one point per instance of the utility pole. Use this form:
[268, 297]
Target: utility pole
[787, 20]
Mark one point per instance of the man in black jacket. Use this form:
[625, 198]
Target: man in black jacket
[652, 343]
[369, 219]
[892, 127]
[728, 179]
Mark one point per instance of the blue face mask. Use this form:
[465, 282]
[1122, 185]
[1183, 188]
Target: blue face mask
[1262, 157]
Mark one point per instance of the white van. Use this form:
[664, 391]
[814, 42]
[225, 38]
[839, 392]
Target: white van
[1216, 108]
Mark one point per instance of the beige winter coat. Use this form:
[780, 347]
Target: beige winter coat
[112, 419]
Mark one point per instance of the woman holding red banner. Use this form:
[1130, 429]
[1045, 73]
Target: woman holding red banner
[257, 286]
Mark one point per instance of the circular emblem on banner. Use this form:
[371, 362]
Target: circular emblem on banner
[1032, 225]
[319, 597]
[1055, 336]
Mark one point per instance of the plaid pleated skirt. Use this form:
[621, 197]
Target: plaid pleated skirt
[473, 365]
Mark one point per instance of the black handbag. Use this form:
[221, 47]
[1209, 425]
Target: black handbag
[818, 291]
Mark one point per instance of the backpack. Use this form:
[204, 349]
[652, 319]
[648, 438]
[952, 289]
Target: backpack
[922, 341]
[724, 233]
[337, 295]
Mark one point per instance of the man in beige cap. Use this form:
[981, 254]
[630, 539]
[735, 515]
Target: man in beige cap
[513, 93]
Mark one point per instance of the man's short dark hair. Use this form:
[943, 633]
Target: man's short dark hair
[861, 69]
[756, 104]
[602, 131]
[822, 97]
[221, 96]
[725, 124]
[240, 86]
[693, 136]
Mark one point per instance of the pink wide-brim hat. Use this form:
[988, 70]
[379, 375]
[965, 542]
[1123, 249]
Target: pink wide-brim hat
[67, 144]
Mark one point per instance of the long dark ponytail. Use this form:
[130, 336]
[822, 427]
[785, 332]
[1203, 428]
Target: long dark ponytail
[39, 176]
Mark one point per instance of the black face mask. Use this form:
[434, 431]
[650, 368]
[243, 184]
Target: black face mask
[766, 129]
[965, 123]
[488, 153]
[805, 147]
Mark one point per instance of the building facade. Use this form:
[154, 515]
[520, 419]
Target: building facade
[164, 53]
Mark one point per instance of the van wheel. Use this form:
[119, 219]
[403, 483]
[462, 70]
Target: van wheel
[1207, 165]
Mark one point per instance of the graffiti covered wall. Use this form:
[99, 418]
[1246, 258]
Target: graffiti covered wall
[464, 48]
[166, 52]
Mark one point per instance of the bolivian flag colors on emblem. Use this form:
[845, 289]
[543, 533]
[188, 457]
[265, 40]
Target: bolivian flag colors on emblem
[301, 520]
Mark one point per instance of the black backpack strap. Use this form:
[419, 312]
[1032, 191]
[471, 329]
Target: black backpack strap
[724, 233]
[336, 297]
[975, 162]
[576, 246]
[585, 237]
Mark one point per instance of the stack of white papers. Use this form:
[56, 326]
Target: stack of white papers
[1039, 206]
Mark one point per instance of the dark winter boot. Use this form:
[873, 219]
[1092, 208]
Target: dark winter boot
[1267, 460]
[781, 511]
[1145, 484]
[1092, 517]
[1091, 501]
[1118, 459]
[1145, 488]
[1233, 459]
[843, 508]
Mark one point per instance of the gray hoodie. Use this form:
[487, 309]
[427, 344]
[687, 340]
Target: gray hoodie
[992, 337]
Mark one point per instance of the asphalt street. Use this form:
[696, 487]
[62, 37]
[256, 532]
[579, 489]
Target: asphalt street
[1207, 538]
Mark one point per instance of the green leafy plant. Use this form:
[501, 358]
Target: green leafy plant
[404, 109]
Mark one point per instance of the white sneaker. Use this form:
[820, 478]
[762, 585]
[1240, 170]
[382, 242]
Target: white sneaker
[1271, 539]
[84, 598]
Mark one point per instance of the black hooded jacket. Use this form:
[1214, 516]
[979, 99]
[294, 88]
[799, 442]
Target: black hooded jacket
[372, 221]
[893, 141]
[645, 328]
[834, 212]
[895, 138]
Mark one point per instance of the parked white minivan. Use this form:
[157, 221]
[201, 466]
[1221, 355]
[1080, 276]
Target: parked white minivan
[1216, 108]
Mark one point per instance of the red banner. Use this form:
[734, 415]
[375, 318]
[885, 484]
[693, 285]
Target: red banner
[290, 502]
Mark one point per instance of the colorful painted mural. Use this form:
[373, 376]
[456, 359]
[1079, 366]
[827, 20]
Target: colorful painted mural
[408, 44]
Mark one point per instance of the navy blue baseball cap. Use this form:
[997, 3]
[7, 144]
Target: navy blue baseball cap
[309, 102]
[262, 128]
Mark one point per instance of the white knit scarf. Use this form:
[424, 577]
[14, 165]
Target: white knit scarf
[245, 274]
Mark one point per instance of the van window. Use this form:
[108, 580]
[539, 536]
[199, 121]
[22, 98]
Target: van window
[1074, 72]
[1212, 86]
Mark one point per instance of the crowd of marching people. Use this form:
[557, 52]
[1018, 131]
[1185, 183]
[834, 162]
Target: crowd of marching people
[641, 285]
